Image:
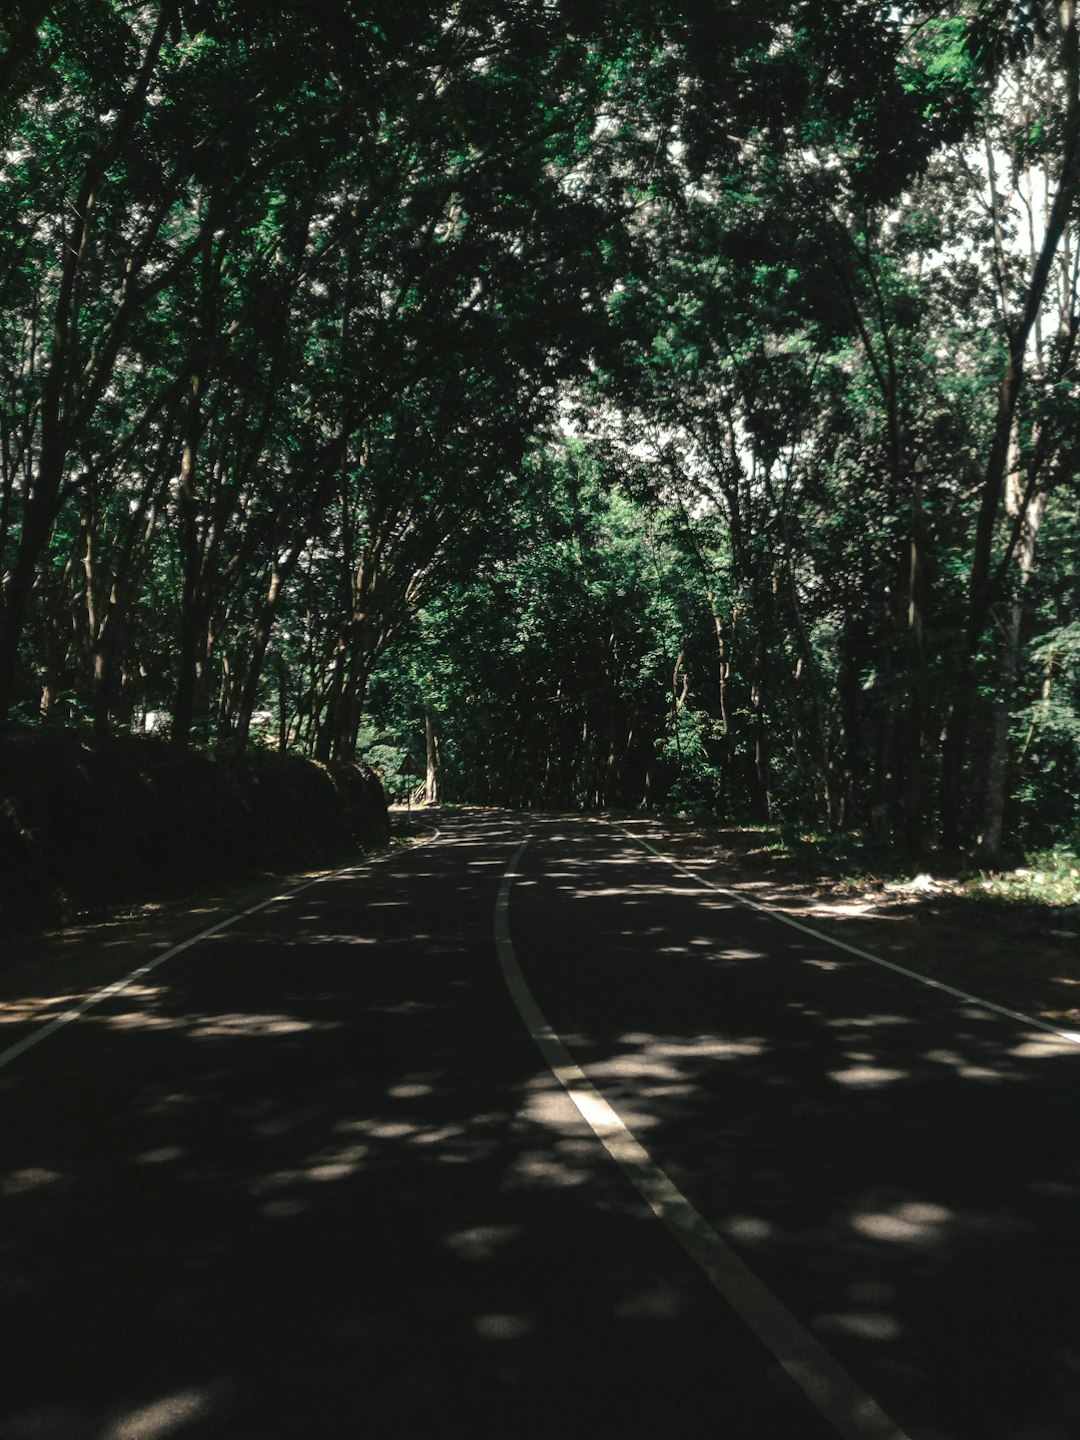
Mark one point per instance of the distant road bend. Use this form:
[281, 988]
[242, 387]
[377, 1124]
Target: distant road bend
[524, 1132]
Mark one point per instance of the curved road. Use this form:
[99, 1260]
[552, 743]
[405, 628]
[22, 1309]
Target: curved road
[314, 1176]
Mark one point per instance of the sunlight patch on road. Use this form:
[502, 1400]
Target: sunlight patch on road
[748, 1228]
[409, 1092]
[862, 1324]
[482, 1242]
[141, 1020]
[323, 1168]
[380, 1129]
[953, 1061]
[867, 1075]
[304, 942]
[860, 1022]
[666, 1065]
[36, 1007]
[696, 1047]
[636, 1065]
[503, 1327]
[234, 1026]
[473, 1138]
[945, 1057]
[161, 1418]
[240, 1025]
[911, 1223]
[1042, 1047]
[439, 1135]
[567, 1165]
[19, 1182]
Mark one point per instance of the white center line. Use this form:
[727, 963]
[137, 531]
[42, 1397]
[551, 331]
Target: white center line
[853, 1413]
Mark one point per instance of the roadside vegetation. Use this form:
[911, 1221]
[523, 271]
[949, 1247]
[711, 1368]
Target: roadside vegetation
[88, 829]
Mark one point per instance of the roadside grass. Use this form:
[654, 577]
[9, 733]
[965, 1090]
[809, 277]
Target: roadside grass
[1047, 878]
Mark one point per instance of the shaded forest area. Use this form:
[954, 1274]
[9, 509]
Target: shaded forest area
[591, 402]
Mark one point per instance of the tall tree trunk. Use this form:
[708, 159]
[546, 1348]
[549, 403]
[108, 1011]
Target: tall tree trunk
[353, 694]
[915, 719]
[283, 704]
[108, 637]
[1032, 510]
[985, 583]
[194, 619]
[39, 514]
[264, 627]
[761, 758]
[809, 665]
[431, 747]
[327, 724]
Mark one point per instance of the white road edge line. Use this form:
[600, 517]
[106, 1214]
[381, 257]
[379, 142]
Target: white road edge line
[50, 1027]
[1072, 1036]
[853, 1413]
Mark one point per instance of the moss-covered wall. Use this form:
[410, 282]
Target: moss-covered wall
[85, 824]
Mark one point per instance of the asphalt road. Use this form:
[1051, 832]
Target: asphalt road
[313, 1177]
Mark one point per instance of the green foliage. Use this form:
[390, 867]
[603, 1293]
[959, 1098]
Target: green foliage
[295, 300]
[1047, 877]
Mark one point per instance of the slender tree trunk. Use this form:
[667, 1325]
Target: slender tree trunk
[283, 704]
[353, 694]
[18, 588]
[431, 745]
[915, 719]
[327, 730]
[190, 696]
[761, 760]
[1034, 508]
[194, 620]
[264, 628]
[809, 660]
[109, 637]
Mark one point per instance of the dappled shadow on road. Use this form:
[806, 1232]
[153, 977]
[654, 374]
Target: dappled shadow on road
[900, 1166]
[1021, 955]
[312, 1178]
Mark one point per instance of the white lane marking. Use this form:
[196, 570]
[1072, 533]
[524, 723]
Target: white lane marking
[853, 1413]
[1070, 1035]
[50, 1027]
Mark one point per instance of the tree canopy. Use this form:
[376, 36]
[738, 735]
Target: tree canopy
[606, 402]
